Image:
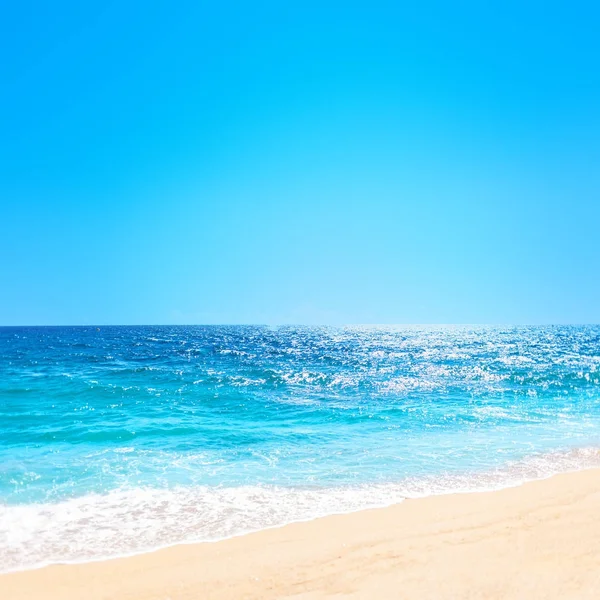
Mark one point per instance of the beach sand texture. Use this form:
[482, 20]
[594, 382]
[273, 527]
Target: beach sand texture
[537, 541]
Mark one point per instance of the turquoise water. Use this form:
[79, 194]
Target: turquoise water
[116, 440]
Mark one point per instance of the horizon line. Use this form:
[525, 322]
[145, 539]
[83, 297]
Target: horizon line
[461, 324]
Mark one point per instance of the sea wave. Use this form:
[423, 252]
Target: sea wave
[135, 520]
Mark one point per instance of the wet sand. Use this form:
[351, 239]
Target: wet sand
[537, 541]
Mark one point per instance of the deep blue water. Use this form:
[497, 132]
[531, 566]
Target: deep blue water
[120, 439]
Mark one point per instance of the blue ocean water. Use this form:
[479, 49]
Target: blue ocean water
[115, 440]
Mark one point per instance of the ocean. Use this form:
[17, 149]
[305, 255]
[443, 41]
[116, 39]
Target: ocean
[118, 440]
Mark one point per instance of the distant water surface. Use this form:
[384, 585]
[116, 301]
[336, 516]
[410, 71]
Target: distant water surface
[115, 440]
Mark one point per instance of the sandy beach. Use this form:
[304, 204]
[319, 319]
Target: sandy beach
[540, 540]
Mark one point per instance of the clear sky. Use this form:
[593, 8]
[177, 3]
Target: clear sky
[299, 162]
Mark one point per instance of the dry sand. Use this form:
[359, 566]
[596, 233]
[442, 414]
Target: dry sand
[537, 541]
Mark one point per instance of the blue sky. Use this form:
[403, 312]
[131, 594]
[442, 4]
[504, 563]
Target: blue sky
[310, 162]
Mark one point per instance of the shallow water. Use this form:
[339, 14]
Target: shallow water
[121, 439]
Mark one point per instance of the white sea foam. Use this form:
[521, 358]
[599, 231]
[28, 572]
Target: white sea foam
[128, 521]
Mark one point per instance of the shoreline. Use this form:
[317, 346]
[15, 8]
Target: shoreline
[551, 519]
[586, 458]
